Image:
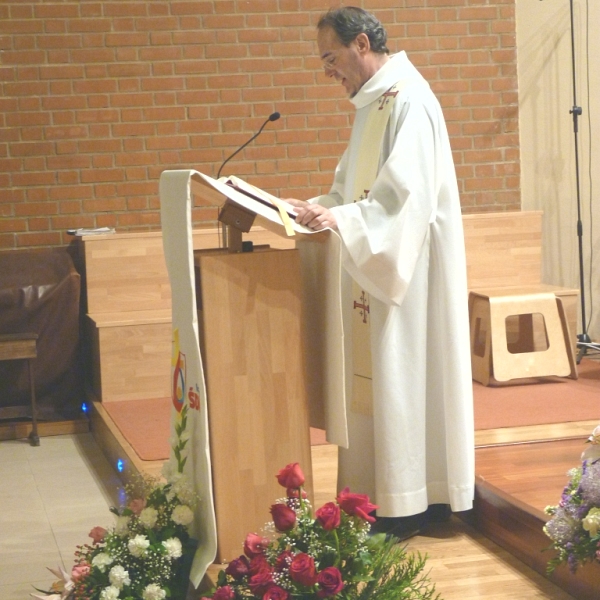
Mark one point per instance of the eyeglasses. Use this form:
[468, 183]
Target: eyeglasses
[330, 60]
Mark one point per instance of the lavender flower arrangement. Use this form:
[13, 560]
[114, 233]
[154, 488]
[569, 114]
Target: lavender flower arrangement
[574, 525]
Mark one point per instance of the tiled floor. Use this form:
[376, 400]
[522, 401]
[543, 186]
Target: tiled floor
[50, 498]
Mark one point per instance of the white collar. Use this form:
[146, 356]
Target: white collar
[396, 68]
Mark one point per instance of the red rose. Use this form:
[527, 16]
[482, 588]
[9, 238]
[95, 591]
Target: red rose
[356, 504]
[257, 563]
[283, 517]
[254, 545]
[291, 476]
[329, 516]
[238, 567]
[302, 570]
[330, 582]
[275, 593]
[295, 493]
[224, 593]
[261, 581]
[283, 561]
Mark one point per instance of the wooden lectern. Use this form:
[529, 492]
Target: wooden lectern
[249, 319]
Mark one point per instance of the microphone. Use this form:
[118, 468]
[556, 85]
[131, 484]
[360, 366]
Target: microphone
[272, 117]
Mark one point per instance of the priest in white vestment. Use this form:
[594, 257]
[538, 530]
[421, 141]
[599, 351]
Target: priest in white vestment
[411, 438]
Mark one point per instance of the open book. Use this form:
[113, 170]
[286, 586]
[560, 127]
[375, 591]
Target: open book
[253, 192]
[277, 212]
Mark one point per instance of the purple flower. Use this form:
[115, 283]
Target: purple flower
[589, 486]
[562, 527]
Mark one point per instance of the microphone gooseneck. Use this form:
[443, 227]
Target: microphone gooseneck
[272, 117]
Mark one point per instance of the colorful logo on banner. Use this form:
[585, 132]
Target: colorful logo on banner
[178, 392]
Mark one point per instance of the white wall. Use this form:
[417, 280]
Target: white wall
[548, 180]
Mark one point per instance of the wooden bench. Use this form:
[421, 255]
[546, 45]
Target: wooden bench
[128, 310]
[21, 346]
[128, 320]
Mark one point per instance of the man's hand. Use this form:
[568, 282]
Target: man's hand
[313, 216]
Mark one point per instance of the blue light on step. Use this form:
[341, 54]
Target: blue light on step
[84, 408]
[120, 465]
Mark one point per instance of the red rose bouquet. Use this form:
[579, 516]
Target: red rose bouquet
[325, 555]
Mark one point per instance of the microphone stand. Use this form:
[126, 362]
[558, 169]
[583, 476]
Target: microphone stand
[584, 341]
[272, 117]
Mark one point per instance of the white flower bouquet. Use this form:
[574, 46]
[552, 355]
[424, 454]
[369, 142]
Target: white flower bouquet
[145, 556]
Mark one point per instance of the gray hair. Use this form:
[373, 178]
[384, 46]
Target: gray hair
[349, 21]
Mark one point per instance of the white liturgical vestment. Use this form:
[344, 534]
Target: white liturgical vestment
[403, 245]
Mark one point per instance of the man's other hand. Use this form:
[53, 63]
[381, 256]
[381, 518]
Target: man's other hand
[313, 216]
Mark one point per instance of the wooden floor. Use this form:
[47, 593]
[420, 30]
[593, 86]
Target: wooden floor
[464, 564]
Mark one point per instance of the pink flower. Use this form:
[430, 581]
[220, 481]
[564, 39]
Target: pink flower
[291, 476]
[283, 516]
[137, 505]
[329, 515]
[97, 534]
[330, 582]
[254, 545]
[80, 571]
[356, 504]
[302, 570]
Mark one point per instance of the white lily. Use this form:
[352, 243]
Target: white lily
[64, 581]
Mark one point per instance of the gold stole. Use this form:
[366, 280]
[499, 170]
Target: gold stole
[366, 172]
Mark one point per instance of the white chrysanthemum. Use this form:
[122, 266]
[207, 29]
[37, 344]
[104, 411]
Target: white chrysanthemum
[138, 545]
[182, 515]
[101, 561]
[184, 491]
[119, 577]
[122, 525]
[591, 522]
[109, 593]
[173, 547]
[153, 592]
[148, 517]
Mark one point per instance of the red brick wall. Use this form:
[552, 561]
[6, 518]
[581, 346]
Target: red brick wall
[98, 97]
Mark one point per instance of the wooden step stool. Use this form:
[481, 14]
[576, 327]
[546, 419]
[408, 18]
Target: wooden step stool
[21, 346]
[519, 336]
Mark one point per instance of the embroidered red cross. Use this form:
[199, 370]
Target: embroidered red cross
[363, 306]
[385, 98]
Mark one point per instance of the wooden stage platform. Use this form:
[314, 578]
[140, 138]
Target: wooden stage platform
[514, 483]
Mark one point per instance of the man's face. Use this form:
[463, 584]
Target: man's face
[348, 64]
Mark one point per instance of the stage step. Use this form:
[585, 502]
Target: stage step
[513, 485]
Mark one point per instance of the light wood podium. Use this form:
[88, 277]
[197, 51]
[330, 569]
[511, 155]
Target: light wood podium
[249, 319]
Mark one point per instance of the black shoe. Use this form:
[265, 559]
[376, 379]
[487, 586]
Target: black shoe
[438, 513]
[400, 528]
